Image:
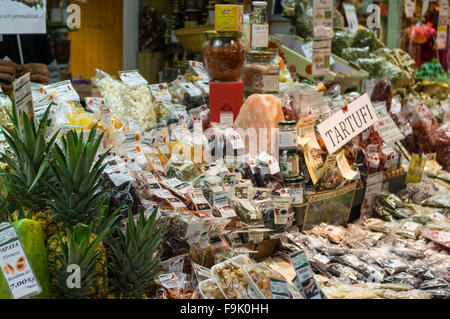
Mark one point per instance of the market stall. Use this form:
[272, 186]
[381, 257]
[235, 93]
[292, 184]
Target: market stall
[274, 167]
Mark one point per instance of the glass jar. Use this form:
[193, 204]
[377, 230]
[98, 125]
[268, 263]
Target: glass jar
[289, 164]
[287, 136]
[261, 73]
[296, 188]
[260, 26]
[224, 57]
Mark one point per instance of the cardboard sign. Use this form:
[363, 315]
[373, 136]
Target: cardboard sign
[23, 17]
[341, 127]
[331, 207]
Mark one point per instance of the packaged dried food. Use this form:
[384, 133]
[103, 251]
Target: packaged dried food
[247, 213]
[229, 276]
[184, 225]
[167, 201]
[187, 93]
[224, 57]
[268, 173]
[382, 92]
[409, 229]
[210, 290]
[259, 276]
[181, 169]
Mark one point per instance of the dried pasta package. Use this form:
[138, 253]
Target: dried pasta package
[409, 229]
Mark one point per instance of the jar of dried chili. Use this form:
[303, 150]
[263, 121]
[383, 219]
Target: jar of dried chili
[224, 56]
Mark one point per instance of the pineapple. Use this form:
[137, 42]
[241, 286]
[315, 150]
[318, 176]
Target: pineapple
[27, 189]
[77, 199]
[83, 248]
[134, 259]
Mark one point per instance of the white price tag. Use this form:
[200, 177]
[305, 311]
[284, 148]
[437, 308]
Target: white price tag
[132, 78]
[321, 57]
[410, 5]
[16, 269]
[22, 95]
[352, 19]
[323, 18]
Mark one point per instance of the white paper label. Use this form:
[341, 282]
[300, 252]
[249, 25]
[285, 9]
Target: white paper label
[132, 78]
[321, 55]
[352, 19]
[174, 265]
[442, 25]
[390, 133]
[22, 95]
[323, 18]
[341, 127]
[260, 36]
[279, 288]
[15, 266]
[296, 196]
[287, 139]
[409, 8]
[226, 119]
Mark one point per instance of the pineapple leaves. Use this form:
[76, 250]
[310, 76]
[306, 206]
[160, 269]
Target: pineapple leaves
[77, 175]
[135, 255]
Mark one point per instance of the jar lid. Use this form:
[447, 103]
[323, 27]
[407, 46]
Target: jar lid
[261, 53]
[287, 123]
[259, 3]
[296, 180]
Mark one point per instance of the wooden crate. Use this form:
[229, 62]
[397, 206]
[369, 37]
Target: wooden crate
[149, 64]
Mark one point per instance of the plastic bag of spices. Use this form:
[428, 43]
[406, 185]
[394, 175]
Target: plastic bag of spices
[268, 173]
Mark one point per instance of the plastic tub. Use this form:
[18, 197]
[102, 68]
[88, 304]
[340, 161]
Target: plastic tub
[239, 261]
[205, 295]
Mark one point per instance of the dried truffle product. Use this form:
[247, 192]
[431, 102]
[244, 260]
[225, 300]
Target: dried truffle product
[247, 213]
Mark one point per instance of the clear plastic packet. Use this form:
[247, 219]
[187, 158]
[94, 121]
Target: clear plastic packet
[200, 113]
[409, 229]
[352, 54]
[438, 200]
[345, 273]
[167, 200]
[404, 278]
[247, 213]
[184, 225]
[441, 143]
[139, 103]
[385, 204]
[181, 169]
[187, 93]
[267, 171]
[201, 256]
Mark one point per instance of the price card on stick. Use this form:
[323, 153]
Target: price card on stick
[441, 38]
[321, 54]
[352, 19]
[410, 5]
[323, 18]
[15, 266]
[22, 95]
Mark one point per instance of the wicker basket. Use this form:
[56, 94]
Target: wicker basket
[192, 39]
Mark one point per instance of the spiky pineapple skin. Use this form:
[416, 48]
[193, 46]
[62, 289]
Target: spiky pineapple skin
[44, 217]
[100, 288]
